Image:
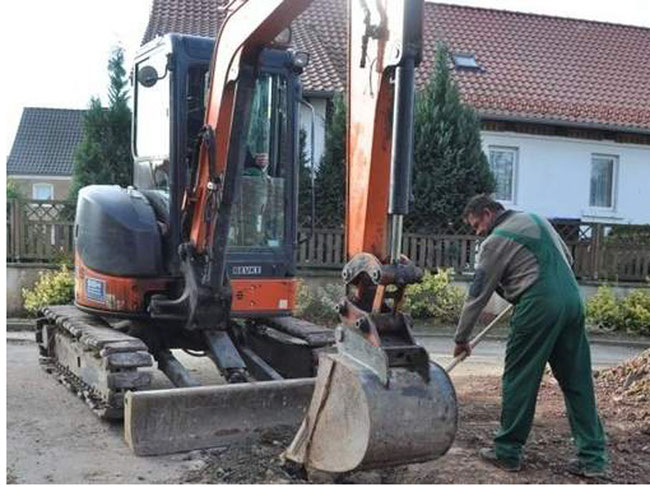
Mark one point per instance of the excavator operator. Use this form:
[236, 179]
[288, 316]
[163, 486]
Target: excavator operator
[256, 165]
[528, 264]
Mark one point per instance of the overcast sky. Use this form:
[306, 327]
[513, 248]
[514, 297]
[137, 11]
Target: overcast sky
[54, 53]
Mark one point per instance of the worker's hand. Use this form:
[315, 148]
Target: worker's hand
[462, 347]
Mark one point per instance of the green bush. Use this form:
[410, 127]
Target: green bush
[629, 234]
[607, 312]
[435, 298]
[318, 304]
[52, 287]
[635, 309]
[602, 310]
[13, 190]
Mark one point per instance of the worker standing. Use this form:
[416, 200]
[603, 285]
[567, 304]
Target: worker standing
[528, 264]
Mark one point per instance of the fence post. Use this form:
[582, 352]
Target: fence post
[18, 227]
[596, 250]
[10, 228]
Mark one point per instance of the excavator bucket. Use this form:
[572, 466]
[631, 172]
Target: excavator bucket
[356, 422]
[174, 420]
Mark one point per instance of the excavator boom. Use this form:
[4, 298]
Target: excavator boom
[164, 421]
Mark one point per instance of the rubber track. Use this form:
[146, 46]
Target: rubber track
[98, 405]
[314, 335]
[98, 341]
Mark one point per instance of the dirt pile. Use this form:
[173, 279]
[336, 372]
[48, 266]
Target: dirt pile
[630, 380]
[256, 461]
[548, 450]
[625, 391]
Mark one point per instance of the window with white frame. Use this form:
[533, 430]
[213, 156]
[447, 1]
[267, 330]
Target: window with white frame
[602, 183]
[503, 164]
[42, 191]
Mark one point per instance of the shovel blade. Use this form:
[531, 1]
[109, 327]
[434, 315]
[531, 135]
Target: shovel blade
[175, 420]
[355, 422]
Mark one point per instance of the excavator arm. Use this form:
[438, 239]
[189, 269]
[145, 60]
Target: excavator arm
[378, 400]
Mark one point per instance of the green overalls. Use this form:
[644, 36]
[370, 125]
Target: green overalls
[548, 326]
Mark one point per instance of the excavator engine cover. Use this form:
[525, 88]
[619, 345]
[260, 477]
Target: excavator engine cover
[110, 218]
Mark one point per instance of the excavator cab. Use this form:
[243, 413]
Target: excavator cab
[170, 87]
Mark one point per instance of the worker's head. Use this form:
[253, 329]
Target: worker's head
[262, 160]
[480, 212]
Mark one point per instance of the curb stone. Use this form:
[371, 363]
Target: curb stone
[23, 325]
[639, 343]
[20, 324]
[21, 337]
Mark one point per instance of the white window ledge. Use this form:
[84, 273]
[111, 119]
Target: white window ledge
[601, 214]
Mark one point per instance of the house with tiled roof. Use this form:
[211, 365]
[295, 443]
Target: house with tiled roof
[42, 155]
[564, 103]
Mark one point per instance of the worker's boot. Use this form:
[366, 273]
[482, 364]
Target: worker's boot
[576, 467]
[489, 455]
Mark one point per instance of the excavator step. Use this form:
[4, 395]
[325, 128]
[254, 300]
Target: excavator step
[314, 335]
[175, 420]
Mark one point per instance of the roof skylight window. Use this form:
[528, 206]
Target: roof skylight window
[465, 61]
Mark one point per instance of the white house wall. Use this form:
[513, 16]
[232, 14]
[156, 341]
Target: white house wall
[320, 117]
[552, 177]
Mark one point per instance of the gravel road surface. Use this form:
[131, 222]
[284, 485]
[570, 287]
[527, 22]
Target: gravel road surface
[52, 437]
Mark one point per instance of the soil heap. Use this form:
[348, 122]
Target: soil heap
[627, 388]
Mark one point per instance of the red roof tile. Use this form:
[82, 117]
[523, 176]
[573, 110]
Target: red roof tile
[547, 68]
[532, 66]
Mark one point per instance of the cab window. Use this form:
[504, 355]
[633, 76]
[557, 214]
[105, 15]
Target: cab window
[259, 211]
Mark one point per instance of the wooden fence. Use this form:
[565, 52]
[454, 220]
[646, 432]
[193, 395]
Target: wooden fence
[326, 249]
[600, 255]
[39, 231]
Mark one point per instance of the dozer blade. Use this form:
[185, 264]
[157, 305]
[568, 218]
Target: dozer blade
[175, 420]
[354, 422]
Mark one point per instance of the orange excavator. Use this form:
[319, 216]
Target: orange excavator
[199, 254]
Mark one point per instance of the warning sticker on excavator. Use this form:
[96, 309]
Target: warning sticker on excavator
[96, 290]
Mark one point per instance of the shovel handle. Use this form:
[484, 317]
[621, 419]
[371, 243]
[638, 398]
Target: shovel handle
[458, 359]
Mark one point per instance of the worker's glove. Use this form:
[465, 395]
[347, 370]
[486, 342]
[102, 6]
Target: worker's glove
[462, 347]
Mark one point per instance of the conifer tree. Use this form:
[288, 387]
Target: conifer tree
[104, 154]
[304, 182]
[13, 190]
[449, 165]
[330, 177]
